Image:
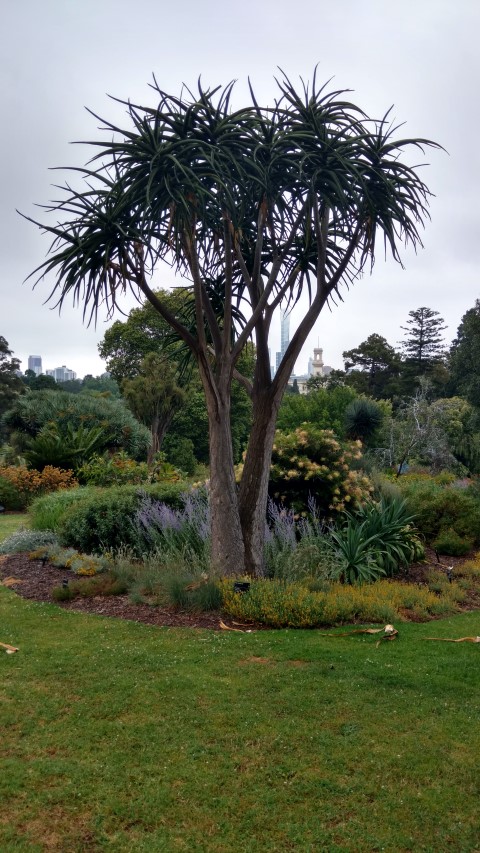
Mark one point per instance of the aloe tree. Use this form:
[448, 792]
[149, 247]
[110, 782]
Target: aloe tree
[254, 208]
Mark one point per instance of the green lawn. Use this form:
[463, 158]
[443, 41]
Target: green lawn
[10, 522]
[123, 737]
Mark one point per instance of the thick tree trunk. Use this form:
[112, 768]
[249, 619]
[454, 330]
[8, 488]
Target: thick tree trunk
[227, 542]
[253, 493]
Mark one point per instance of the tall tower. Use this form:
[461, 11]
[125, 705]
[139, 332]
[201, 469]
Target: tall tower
[35, 364]
[317, 363]
[284, 333]
[284, 337]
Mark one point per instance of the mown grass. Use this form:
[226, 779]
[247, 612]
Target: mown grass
[10, 522]
[123, 737]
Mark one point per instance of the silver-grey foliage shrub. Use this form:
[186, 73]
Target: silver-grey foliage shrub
[27, 540]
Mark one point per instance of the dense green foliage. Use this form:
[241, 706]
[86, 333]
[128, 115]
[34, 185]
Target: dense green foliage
[373, 367]
[70, 413]
[439, 510]
[378, 540]
[465, 357]
[363, 419]
[104, 520]
[154, 395]
[10, 384]
[324, 409]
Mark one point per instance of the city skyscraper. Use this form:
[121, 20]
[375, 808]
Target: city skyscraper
[284, 337]
[35, 364]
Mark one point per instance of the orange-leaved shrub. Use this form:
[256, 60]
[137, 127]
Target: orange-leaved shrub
[20, 485]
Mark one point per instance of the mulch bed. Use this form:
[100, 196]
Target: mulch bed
[36, 581]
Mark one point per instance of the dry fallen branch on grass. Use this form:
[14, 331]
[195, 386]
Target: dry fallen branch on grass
[460, 639]
[10, 650]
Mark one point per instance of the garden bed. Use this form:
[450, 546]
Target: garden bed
[36, 582]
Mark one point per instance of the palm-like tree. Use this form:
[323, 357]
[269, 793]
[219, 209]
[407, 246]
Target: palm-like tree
[253, 208]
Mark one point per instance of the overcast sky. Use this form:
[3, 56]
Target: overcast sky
[59, 56]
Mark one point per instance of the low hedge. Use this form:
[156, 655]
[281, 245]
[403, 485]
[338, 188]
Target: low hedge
[95, 520]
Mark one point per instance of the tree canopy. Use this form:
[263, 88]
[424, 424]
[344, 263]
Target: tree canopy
[10, 384]
[253, 207]
[378, 364]
[465, 357]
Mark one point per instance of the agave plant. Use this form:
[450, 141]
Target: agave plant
[376, 541]
[358, 554]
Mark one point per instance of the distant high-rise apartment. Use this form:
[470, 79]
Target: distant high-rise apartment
[35, 364]
[62, 374]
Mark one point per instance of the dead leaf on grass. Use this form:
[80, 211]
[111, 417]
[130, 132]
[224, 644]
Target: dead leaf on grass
[229, 628]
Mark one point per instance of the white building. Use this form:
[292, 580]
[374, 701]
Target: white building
[62, 374]
[316, 367]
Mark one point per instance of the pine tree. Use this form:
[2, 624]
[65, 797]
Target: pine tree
[424, 346]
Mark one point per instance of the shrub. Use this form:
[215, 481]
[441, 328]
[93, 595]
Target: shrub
[24, 484]
[363, 418]
[113, 470]
[10, 498]
[448, 542]
[376, 541]
[118, 469]
[358, 552]
[438, 509]
[105, 519]
[47, 512]
[68, 558]
[26, 540]
[166, 579]
[90, 587]
[69, 447]
[311, 461]
[283, 605]
[185, 593]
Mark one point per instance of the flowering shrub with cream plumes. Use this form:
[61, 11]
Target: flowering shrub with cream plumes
[314, 462]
